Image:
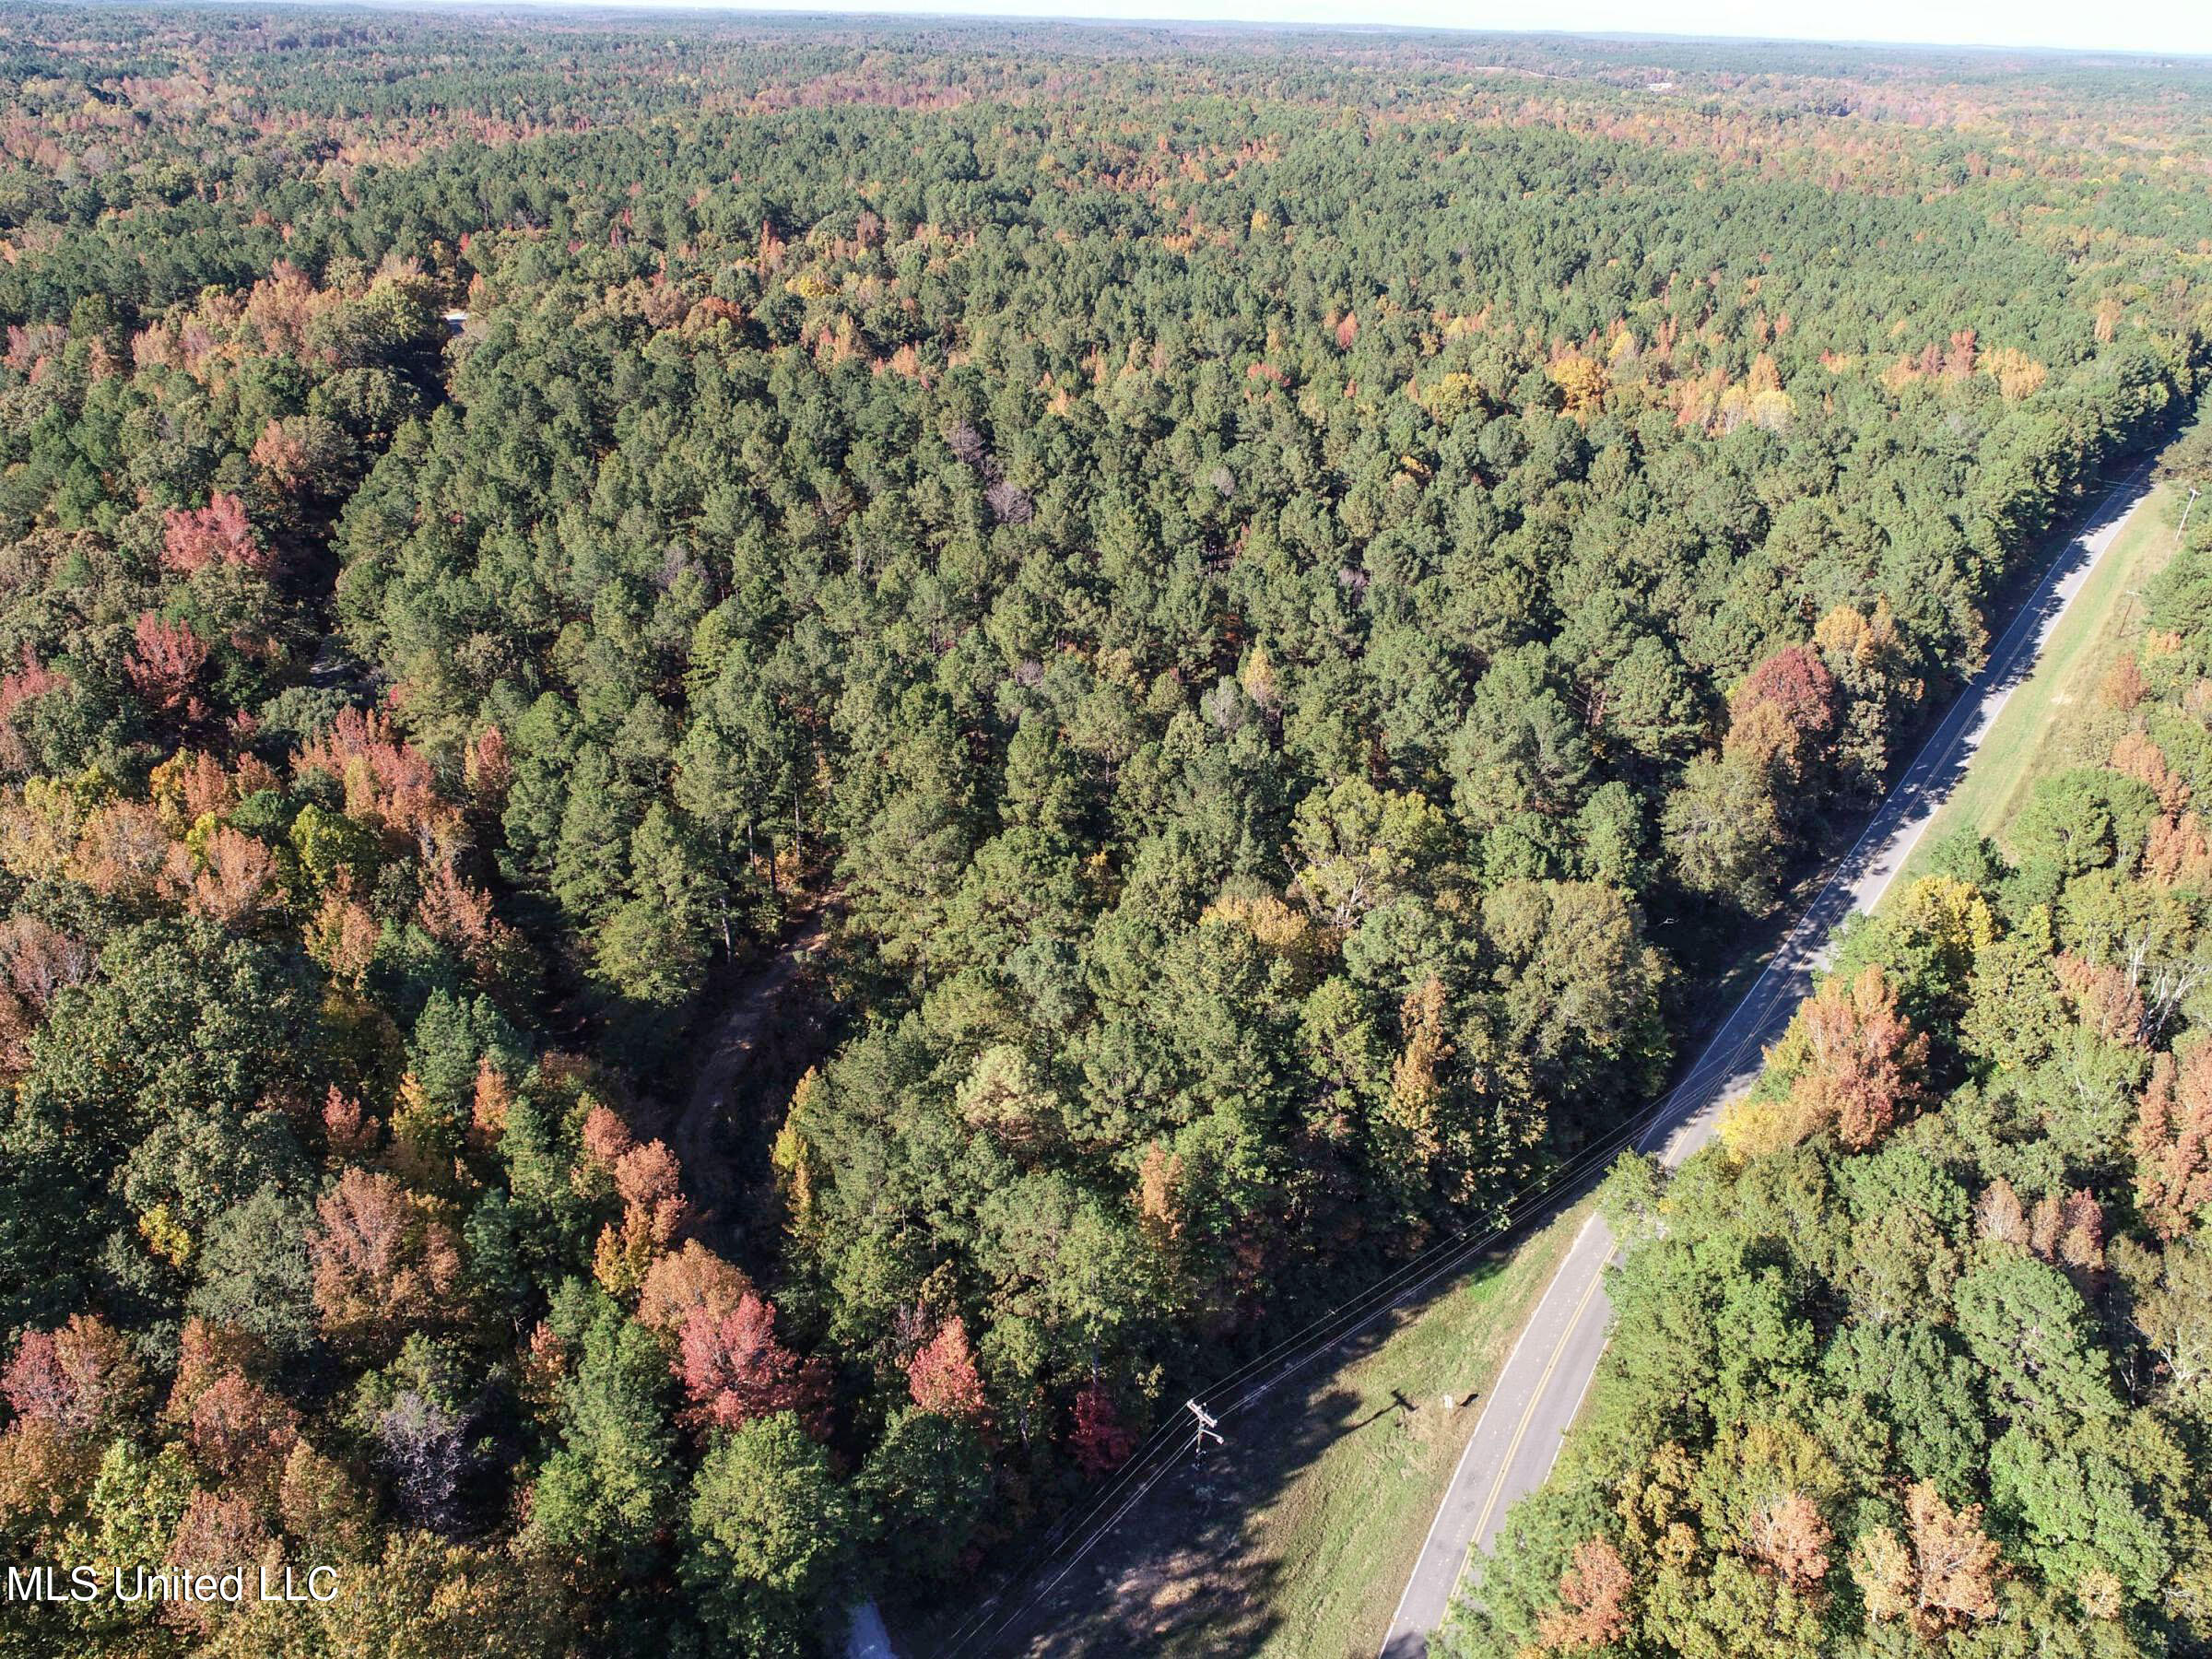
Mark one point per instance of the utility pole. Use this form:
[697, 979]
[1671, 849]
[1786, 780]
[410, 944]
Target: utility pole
[2185, 512]
[1206, 1427]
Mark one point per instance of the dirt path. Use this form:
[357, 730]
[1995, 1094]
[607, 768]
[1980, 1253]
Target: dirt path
[718, 1133]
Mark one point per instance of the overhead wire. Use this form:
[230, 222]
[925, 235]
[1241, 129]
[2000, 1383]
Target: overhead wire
[1160, 1453]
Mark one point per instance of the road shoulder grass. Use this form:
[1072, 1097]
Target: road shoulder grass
[1315, 1568]
[1334, 1546]
[1367, 1499]
[2054, 720]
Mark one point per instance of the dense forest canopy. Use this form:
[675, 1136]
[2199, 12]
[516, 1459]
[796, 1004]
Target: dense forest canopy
[1285, 597]
[1914, 1359]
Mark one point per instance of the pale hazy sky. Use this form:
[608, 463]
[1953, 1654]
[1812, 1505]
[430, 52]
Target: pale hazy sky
[2116, 25]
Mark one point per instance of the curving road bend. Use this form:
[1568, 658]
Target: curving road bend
[1541, 1387]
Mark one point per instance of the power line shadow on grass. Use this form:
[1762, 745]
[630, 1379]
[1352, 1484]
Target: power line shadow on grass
[1175, 1571]
[1202, 1565]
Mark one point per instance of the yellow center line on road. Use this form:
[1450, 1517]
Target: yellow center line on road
[1528, 1414]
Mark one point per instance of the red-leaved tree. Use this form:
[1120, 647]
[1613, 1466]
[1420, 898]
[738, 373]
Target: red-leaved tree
[1781, 716]
[2173, 1143]
[80, 1377]
[1863, 1058]
[194, 537]
[382, 1262]
[1101, 1442]
[941, 1376]
[1593, 1596]
[165, 659]
[240, 1432]
[734, 1370]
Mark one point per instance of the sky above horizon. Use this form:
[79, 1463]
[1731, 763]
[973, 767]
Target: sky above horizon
[2165, 25]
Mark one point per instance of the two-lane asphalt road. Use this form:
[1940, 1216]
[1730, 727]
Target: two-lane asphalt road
[1517, 1438]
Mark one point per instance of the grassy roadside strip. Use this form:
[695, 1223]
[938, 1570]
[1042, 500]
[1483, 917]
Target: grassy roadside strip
[1335, 1544]
[2054, 721]
[1370, 1496]
[1312, 1537]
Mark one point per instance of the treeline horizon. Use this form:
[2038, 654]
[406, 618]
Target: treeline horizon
[1287, 602]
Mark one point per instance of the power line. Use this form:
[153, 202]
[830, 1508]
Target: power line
[1160, 1455]
[1447, 1255]
[1029, 1602]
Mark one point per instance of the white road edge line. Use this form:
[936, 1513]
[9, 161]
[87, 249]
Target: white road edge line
[1977, 717]
[1475, 1434]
